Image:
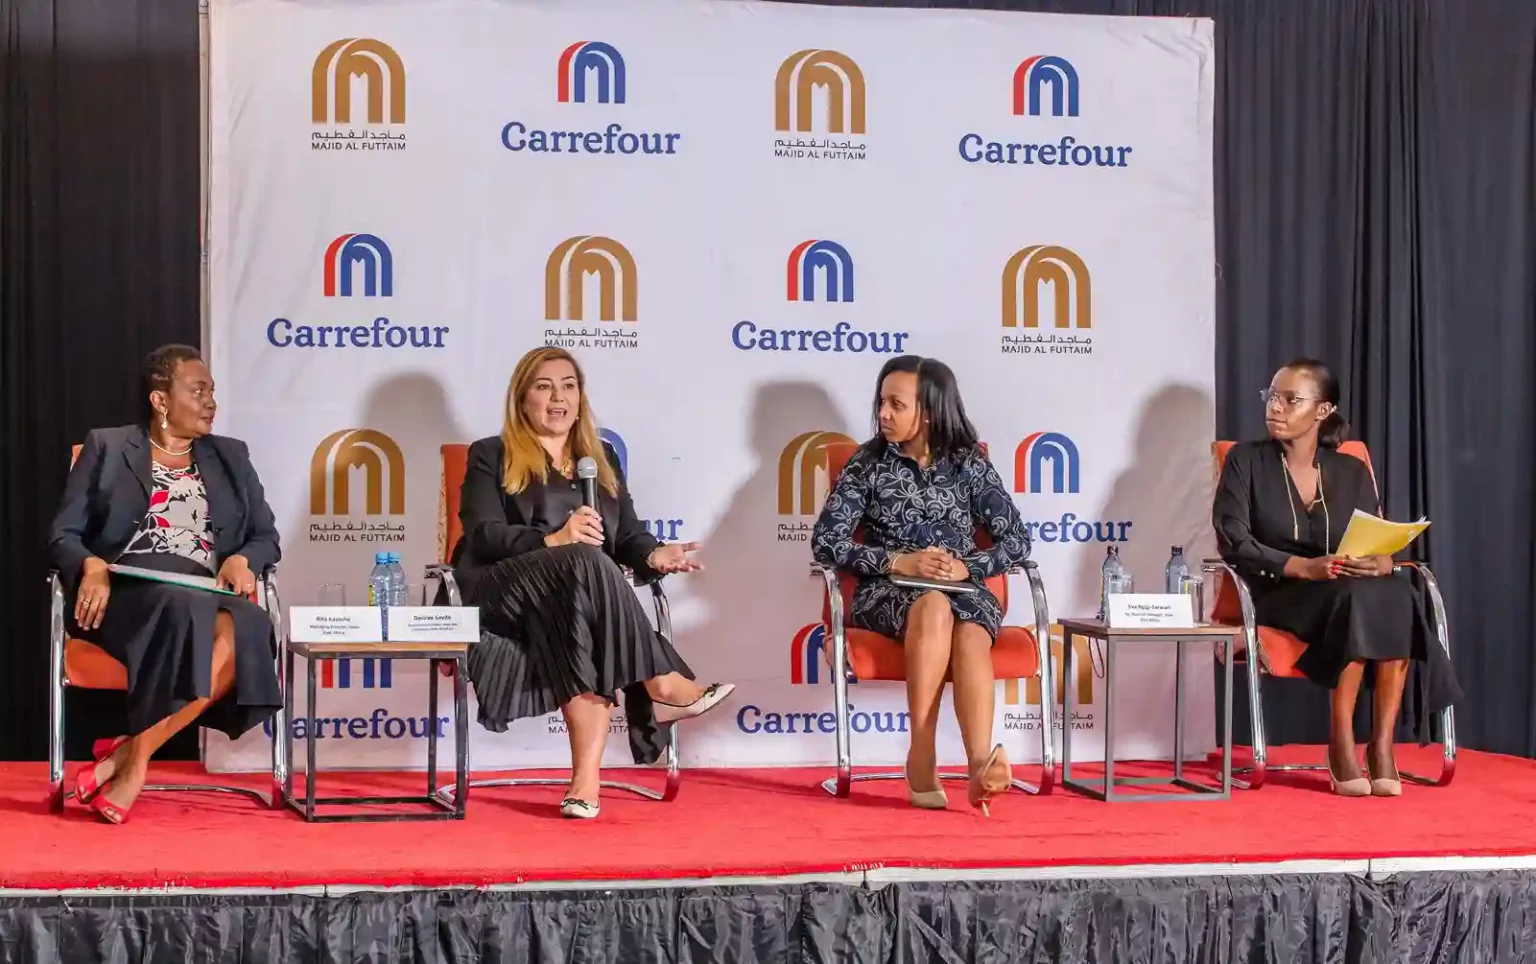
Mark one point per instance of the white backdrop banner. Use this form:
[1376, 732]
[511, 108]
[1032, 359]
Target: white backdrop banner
[733, 213]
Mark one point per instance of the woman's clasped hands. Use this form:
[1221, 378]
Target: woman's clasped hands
[1324, 568]
[930, 563]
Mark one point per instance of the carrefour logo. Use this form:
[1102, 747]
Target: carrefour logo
[1044, 451]
[807, 655]
[604, 62]
[375, 673]
[381, 724]
[1048, 464]
[832, 259]
[371, 257]
[589, 74]
[356, 265]
[806, 652]
[1044, 88]
[817, 270]
[1039, 73]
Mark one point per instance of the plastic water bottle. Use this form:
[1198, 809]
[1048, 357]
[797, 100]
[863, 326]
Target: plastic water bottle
[381, 590]
[1112, 578]
[1176, 572]
[398, 588]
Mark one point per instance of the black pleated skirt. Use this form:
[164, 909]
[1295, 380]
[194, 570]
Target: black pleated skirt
[163, 634]
[1371, 619]
[557, 623]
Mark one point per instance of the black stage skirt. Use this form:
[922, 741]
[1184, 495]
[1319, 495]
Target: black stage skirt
[164, 635]
[1371, 619]
[558, 623]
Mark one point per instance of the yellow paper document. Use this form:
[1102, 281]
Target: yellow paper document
[1369, 536]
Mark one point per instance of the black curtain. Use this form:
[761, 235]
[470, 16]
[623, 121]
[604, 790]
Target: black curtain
[99, 209]
[1374, 201]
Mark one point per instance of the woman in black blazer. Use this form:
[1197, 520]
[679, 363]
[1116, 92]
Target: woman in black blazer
[562, 626]
[1282, 506]
[169, 496]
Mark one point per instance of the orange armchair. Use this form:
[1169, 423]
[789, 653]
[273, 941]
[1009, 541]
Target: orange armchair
[84, 665]
[1277, 651]
[866, 655]
[449, 529]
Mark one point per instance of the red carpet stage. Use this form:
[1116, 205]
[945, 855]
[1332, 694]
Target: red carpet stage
[761, 865]
[747, 823]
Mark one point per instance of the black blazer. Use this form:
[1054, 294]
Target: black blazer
[107, 497]
[496, 524]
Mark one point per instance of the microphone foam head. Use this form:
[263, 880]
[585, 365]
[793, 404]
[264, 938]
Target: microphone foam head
[586, 468]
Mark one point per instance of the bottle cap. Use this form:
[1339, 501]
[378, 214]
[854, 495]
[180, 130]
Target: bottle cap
[1178, 550]
[380, 558]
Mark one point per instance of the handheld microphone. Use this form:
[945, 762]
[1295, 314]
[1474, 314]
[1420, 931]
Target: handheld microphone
[586, 471]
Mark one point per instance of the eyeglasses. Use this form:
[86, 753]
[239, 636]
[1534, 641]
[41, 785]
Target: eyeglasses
[1286, 400]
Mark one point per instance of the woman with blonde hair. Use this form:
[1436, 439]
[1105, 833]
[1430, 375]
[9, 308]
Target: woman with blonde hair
[563, 628]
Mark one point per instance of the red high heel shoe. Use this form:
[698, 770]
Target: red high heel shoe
[109, 812]
[86, 786]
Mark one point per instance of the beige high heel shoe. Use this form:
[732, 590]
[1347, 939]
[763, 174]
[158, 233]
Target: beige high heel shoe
[926, 799]
[983, 786]
[1384, 786]
[1358, 787]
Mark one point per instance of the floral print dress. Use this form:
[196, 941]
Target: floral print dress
[177, 521]
[894, 506]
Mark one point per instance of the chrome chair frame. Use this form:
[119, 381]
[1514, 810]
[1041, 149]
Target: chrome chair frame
[443, 574]
[841, 785]
[58, 680]
[1255, 775]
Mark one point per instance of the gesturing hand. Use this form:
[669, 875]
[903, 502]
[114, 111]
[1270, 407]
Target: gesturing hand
[673, 557]
[91, 596]
[584, 527]
[236, 576]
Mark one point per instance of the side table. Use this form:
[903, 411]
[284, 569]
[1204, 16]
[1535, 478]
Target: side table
[435, 654]
[1108, 789]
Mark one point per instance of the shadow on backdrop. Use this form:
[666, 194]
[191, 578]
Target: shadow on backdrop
[743, 593]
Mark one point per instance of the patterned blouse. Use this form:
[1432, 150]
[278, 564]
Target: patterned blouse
[177, 521]
[903, 508]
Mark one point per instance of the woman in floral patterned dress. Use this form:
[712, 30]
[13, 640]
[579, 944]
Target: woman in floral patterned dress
[916, 494]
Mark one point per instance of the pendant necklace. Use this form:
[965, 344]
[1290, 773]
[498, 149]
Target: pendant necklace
[1290, 483]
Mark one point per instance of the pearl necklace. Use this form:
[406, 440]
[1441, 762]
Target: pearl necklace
[170, 452]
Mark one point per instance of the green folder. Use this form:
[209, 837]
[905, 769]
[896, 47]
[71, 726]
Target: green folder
[204, 583]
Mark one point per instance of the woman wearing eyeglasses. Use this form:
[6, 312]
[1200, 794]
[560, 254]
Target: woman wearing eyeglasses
[1281, 509]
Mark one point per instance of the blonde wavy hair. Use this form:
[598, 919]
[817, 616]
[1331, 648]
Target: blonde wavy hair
[526, 459]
